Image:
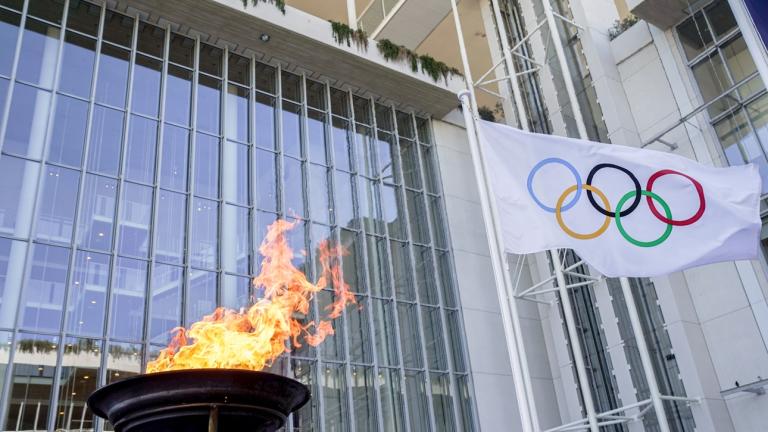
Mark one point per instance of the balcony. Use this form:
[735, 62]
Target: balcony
[405, 22]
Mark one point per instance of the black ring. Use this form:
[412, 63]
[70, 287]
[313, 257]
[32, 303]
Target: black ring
[632, 177]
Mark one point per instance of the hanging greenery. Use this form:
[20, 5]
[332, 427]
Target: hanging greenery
[280, 4]
[344, 34]
[429, 65]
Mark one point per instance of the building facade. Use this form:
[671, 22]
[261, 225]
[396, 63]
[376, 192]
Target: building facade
[146, 145]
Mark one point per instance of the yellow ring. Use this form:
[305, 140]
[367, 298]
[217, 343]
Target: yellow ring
[572, 233]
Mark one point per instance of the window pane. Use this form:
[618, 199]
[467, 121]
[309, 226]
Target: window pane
[49, 10]
[364, 398]
[265, 121]
[436, 219]
[39, 49]
[402, 271]
[208, 104]
[308, 417]
[18, 181]
[332, 347]
[694, 35]
[425, 275]
[237, 113]
[127, 304]
[384, 117]
[42, 300]
[27, 121]
[118, 28]
[359, 332]
[12, 257]
[201, 295]
[392, 411]
[87, 294]
[405, 125]
[417, 216]
[388, 165]
[173, 165]
[344, 209]
[431, 174]
[182, 50]
[740, 144]
[392, 207]
[239, 69]
[123, 361]
[721, 17]
[454, 333]
[97, 214]
[210, 59]
[206, 175]
[32, 377]
[294, 188]
[135, 215]
[316, 137]
[319, 198]
[266, 181]
[235, 177]
[165, 301]
[291, 85]
[446, 279]
[378, 266]
[56, 213]
[68, 136]
[170, 227]
[265, 78]
[263, 220]
[369, 206]
[366, 164]
[203, 243]
[178, 93]
[433, 338]
[362, 110]
[236, 292]
[77, 65]
[3, 91]
[342, 144]
[335, 398]
[352, 263]
[112, 80]
[410, 158]
[442, 402]
[316, 94]
[339, 102]
[146, 85]
[9, 30]
[106, 139]
[416, 391]
[235, 248]
[292, 120]
[140, 155]
[409, 335]
[79, 378]
[151, 39]
[758, 113]
[384, 332]
[84, 17]
[741, 65]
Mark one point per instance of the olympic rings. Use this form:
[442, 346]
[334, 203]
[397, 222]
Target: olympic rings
[559, 215]
[636, 196]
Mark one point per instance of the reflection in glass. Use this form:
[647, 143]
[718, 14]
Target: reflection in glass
[294, 188]
[106, 138]
[447, 287]
[236, 292]
[740, 144]
[345, 208]
[319, 199]
[433, 338]
[358, 330]
[178, 94]
[118, 28]
[237, 113]
[265, 78]
[339, 102]
[364, 398]
[369, 206]
[18, 181]
[239, 70]
[129, 288]
[84, 17]
[210, 59]
[165, 302]
[201, 295]
[27, 121]
[332, 347]
[173, 165]
[308, 417]
[392, 207]
[56, 212]
[32, 378]
[12, 256]
[410, 158]
[68, 136]
[720, 17]
[334, 397]
[316, 94]
[442, 402]
[292, 120]
[378, 266]
[416, 391]
[123, 361]
[425, 274]
[203, 242]
[112, 81]
[135, 216]
[366, 165]
[384, 334]
[182, 50]
[401, 270]
[42, 300]
[39, 49]
[342, 144]
[409, 335]
[316, 137]
[150, 39]
[291, 86]
[170, 227]
[77, 65]
[208, 104]
[140, 154]
[741, 65]
[417, 213]
[235, 176]
[362, 109]
[87, 294]
[146, 85]
[405, 125]
[266, 180]
[9, 30]
[392, 411]
[265, 121]
[79, 378]
[431, 173]
[206, 174]
[97, 214]
[453, 326]
[235, 248]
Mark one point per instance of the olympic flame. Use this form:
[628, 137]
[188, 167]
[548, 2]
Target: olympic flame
[252, 339]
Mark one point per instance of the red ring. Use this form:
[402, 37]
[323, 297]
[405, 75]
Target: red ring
[699, 191]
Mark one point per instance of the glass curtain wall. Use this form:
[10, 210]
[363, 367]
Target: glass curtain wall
[139, 169]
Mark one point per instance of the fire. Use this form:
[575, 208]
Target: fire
[253, 338]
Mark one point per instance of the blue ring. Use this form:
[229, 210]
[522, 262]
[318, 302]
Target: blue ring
[564, 163]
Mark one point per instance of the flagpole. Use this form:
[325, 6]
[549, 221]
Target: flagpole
[629, 298]
[502, 278]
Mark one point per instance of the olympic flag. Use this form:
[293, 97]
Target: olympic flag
[626, 211]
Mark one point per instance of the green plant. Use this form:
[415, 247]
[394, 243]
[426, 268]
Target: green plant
[620, 26]
[280, 4]
[428, 64]
[343, 33]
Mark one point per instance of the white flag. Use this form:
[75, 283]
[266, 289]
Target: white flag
[625, 211]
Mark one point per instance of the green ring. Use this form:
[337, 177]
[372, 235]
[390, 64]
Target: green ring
[667, 211]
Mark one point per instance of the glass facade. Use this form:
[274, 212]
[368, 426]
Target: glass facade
[139, 169]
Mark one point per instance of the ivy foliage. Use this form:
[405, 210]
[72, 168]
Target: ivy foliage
[344, 34]
[280, 4]
[428, 64]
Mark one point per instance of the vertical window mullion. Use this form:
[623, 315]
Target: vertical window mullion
[5, 111]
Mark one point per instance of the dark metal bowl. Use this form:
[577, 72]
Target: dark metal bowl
[200, 400]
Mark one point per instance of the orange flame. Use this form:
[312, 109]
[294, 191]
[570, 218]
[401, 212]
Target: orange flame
[253, 339]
